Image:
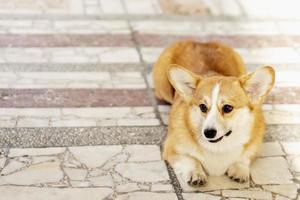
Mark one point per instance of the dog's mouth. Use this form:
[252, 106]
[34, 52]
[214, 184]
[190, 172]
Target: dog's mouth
[220, 138]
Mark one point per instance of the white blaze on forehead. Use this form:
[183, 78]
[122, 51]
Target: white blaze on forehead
[211, 120]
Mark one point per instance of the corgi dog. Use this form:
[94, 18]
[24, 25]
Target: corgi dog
[216, 124]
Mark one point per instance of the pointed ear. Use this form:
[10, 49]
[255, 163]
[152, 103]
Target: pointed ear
[258, 84]
[183, 81]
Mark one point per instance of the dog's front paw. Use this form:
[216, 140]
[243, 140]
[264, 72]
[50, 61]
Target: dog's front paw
[238, 172]
[197, 177]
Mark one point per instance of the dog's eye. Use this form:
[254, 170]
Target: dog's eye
[203, 108]
[227, 108]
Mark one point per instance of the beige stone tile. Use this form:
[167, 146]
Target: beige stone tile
[12, 166]
[75, 174]
[131, 187]
[32, 122]
[162, 187]
[143, 7]
[144, 172]
[35, 193]
[8, 123]
[30, 112]
[103, 181]
[112, 7]
[138, 152]
[147, 196]
[247, 194]
[289, 190]
[35, 174]
[264, 172]
[197, 196]
[278, 197]
[72, 122]
[266, 55]
[2, 162]
[91, 157]
[260, 10]
[119, 55]
[15, 152]
[99, 112]
[270, 149]
[291, 148]
[91, 26]
[80, 184]
[215, 27]
[294, 162]
[138, 122]
[41, 159]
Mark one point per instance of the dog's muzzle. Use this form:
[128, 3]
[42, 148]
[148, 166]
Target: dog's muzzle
[220, 138]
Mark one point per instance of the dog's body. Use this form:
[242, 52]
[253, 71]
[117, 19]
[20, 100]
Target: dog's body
[216, 123]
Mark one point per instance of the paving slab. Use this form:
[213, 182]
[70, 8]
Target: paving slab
[59, 173]
[36, 193]
[261, 173]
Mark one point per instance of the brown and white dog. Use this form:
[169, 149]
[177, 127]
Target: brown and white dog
[216, 124]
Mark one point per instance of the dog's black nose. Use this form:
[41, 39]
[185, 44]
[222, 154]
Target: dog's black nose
[210, 133]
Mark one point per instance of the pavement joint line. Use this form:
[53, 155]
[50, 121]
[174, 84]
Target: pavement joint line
[145, 71]
[69, 67]
[174, 182]
[141, 17]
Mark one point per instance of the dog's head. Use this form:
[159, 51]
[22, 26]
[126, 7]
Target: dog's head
[220, 109]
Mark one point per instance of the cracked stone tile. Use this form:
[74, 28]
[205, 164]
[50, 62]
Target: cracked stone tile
[80, 183]
[236, 198]
[162, 187]
[12, 166]
[213, 183]
[247, 194]
[35, 174]
[94, 156]
[115, 160]
[62, 184]
[147, 196]
[216, 192]
[264, 172]
[118, 179]
[70, 161]
[197, 196]
[291, 147]
[131, 187]
[278, 197]
[138, 152]
[270, 149]
[35, 193]
[144, 172]
[23, 159]
[2, 162]
[41, 159]
[35, 151]
[97, 172]
[102, 181]
[294, 162]
[289, 190]
[76, 174]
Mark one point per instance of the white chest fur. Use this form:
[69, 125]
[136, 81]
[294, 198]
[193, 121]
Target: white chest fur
[216, 164]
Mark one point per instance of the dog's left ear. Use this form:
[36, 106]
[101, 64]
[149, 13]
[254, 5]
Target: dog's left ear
[258, 84]
[183, 81]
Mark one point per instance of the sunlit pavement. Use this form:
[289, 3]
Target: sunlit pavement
[78, 116]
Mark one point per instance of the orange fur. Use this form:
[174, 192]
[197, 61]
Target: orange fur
[207, 64]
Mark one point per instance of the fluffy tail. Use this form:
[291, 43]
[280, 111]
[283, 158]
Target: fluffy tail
[163, 88]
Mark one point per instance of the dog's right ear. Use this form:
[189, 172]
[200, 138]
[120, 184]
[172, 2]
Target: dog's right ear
[184, 81]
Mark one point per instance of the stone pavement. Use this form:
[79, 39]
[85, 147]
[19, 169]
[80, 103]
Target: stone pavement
[78, 118]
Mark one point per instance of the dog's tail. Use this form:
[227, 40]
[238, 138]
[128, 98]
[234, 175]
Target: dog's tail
[163, 88]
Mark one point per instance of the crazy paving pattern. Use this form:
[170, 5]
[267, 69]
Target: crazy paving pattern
[78, 117]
